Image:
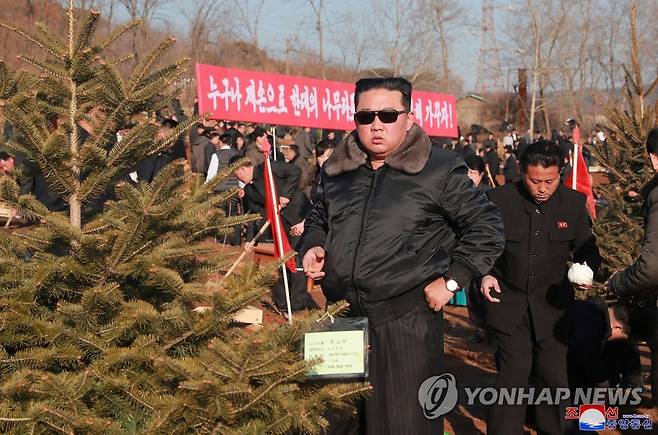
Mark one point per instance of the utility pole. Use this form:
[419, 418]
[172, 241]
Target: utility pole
[489, 77]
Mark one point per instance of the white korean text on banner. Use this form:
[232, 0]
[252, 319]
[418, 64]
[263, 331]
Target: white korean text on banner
[252, 96]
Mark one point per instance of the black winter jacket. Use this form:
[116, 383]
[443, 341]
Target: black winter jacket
[389, 232]
[642, 275]
[286, 179]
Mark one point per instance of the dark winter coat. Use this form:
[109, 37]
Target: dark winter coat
[388, 233]
[532, 272]
[286, 178]
[199, 146]
[510, 169]
[642, 275]
[492, 159]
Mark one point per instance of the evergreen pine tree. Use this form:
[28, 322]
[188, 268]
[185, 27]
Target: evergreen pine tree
[619, 225]
[98, 332]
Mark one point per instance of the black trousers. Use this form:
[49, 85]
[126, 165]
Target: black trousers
[232, 237]
[404, 352]
[520, 358]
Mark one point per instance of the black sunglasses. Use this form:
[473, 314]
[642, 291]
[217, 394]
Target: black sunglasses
[387, 116]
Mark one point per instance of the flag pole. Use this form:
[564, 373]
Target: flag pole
[574, 169]
[574, 157]
[274, 142]
[277, 227]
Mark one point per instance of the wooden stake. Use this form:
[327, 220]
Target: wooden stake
[247, 248]
[491, 180]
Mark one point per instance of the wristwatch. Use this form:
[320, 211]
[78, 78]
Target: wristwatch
[451, 284]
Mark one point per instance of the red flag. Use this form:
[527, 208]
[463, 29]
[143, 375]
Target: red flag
[281, 243]
[581, 183]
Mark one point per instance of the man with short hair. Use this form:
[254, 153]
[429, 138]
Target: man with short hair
[219, 161]
[492, 161]
[546, 225]
[259, 141]
[286, 178]
[477, 172]
[291, 155]
[397, 228]
[304, 141]
[510, 166]
[295, 207]
[198, 142]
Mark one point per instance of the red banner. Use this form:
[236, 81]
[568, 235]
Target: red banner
[252, 96]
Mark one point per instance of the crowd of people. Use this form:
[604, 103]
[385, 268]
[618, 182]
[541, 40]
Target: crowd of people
[396, 222]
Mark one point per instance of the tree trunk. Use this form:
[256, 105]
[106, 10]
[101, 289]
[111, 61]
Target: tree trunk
[75, 209]
[535, 78]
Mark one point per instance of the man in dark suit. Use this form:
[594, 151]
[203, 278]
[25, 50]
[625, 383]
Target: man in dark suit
[286, 178]
[295, 205]
[492, 160]
[546, 225]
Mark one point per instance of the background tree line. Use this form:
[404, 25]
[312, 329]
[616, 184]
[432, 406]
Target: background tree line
[573, 50]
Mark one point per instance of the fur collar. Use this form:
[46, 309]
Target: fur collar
[410, 157]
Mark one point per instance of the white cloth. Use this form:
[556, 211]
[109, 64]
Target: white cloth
[214, 164]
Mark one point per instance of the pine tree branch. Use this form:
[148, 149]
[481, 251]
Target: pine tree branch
[278, 355]
[55, 42]
[149, 61]
[138, 400]
[126, 58]
[276, 383]
[215, 371]
[8, 82]
[37, 40]
[178, 340]
[86, 34]
[357, 392]
[55, 427]
[233, 366]
[118, 32]
[47, 68]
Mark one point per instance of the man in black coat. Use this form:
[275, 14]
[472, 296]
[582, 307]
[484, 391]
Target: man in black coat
[396, 230]
[149, 167]
[295, 206]
[294, 203]
[546, 225]
[640, 279]
[492, 160]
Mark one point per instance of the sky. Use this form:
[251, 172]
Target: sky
[283, 19]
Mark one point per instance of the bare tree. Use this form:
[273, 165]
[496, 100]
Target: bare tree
[317, 6]
[404, 42]
[248, 14]
[445, 17]
[145, 10]
[352, 40]
[540, 24]
[206, 18]
[87, 5]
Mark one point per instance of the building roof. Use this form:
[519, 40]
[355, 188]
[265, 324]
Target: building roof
[471, 95]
